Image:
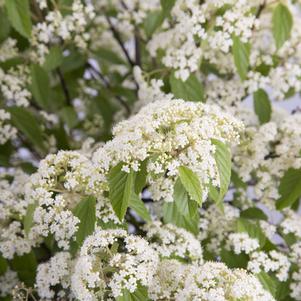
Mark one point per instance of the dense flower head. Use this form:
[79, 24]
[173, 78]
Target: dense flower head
[173, 242]
[148, 150]
[110, 262]
[168, 134]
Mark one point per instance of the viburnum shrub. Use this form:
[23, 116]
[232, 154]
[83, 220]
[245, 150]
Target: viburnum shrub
[133, 167]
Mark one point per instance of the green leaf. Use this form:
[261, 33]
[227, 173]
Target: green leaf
[4, 25]
[109, 56]
[28, 218]
[167, 6]
[190, 90]
[191, 183]
[69, 116]
[262, 106]
[86, 212]
[26, 267]
[241, 54]
[155, 18]
[153, 21]
[53, 59]
[253, 230]
[6, 151]
[141, 175]
[289, 188]
[40, 86]
[139, 295]
[172, 215]
[282, 24]
[24, 121]
[19, 16]
[214, 194]
[3, 265]
[237, 181]
[139, 207]
[283, 290]
[183, 212]
[223, 161]
[268, 283]
[234, 260]
[183, 202]
[253, 213]
[121, 187]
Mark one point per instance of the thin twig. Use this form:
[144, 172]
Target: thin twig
[64, 86]
[259, 11]
[119, 41]
[137, 48]
[108, 86]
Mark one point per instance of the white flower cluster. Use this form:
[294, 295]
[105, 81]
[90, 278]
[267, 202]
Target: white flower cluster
[169, 134]
[291, 224]
[8, 49]
[295, 285]
[131, 13]
[56, 272]
[216, 226]
[13, 86]
[7, 282]
[271, 261]
[209, 282]
[57, 27]
[110, 262]
[149, 91]
[268, 151]
[242, 242]
[7, 131]
[13, 206]
[61, 182]
[188, 40]
[173, 242]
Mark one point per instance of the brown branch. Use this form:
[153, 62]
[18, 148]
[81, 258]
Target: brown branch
[64, 86]
[260, 10]
[119, 41]
[108, 86]
[137, 48]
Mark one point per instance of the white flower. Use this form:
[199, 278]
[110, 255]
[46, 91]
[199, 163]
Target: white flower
[111, 261]
[242, 242]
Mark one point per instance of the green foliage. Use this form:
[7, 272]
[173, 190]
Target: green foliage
[69, 116]
[54, 58]
[262, 106]
[289, 188]
[254, 213]
[25, 121]
[241, 54]
[233, 260]
[182, 212]
[190, 90]
[139, 207]
[3, 265]
[121, 186]
[19, 16]
[223, 161]
[155, 18]
[28, 219]
[269, 283]
[86, 212]
[140, 180]
[282, 24]
[139, 295]
[191, 183]
[40, 86]
[25, 266]
[252, 229]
